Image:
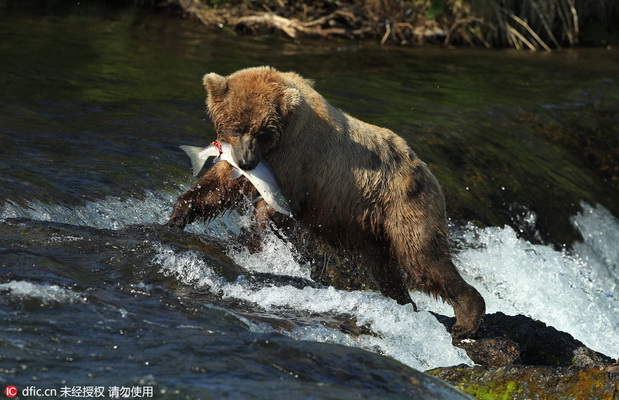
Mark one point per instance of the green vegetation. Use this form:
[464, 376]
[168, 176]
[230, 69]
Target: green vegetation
[493, 391]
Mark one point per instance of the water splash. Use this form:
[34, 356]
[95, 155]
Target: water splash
[574, 291]
[416, 339]
[45, 295]
[600, 249]
[276, 257]
[116, 213]
[109, 213]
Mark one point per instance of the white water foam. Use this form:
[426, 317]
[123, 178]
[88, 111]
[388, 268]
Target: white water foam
[575, 291]
[116, 213]
[44, 294]
[416, 339]
[110, 213]
[600, 248]
[276, 257]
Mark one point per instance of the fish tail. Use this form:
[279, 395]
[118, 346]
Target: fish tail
[197, 162]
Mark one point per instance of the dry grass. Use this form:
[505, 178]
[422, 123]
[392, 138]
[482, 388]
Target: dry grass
[533, 24]
[521, 24]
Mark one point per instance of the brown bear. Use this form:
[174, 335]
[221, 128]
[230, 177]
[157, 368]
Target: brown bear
[351, 183]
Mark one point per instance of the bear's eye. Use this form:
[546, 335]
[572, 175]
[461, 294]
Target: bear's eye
[265, 135]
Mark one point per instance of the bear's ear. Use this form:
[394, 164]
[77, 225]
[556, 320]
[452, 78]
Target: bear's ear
[216, 86]
[290, 99]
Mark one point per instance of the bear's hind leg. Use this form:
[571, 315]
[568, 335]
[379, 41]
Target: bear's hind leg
[429, 268]
[469, 307]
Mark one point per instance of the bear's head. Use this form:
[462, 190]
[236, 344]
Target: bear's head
[249, 109]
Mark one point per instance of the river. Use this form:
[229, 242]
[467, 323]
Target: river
[94, 293]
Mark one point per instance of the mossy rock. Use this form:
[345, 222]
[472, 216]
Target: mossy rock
[526, 382]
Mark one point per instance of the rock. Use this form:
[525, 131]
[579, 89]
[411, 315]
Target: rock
[518, 340]
[521, 358]
[493, 352]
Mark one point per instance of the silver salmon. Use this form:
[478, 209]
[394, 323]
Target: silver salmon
[262, 177]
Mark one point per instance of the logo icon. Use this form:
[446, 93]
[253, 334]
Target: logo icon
[10, 391]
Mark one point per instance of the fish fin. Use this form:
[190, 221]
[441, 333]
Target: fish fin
[265, 181]
[236, 173]
[197, 162]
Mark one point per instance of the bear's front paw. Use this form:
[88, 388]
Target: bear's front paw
[462, 332]
[177, 223]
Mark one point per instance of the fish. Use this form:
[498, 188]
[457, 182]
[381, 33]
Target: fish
[262, 176]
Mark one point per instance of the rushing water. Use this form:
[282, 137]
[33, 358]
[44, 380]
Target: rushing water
[93, 292]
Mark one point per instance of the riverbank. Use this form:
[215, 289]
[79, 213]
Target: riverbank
[529, 24]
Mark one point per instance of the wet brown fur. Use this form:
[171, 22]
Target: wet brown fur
[354, 184]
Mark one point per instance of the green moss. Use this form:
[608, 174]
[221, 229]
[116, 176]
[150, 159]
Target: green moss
[496, 390]
[530, 382]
